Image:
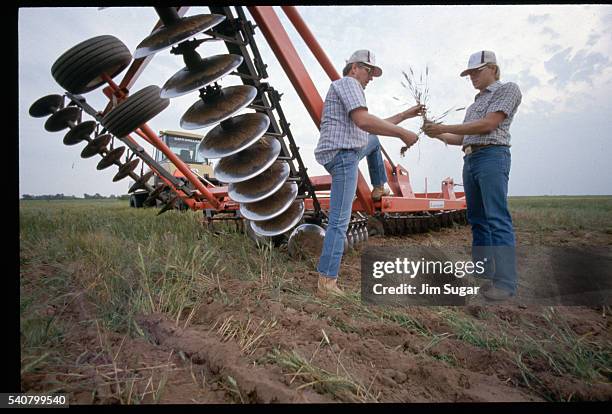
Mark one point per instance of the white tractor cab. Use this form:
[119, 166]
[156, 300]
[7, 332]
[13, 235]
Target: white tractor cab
[184, 145]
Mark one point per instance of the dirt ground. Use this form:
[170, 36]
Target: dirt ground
[250, 344]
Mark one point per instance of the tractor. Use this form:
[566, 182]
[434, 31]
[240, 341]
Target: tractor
[185, 145]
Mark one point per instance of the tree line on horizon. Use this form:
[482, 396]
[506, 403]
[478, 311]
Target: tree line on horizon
[61, 196]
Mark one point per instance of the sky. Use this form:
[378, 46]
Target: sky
[560, 56]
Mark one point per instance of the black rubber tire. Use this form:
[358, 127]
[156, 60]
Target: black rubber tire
[136, 110]
[80, 68]
[137, 199]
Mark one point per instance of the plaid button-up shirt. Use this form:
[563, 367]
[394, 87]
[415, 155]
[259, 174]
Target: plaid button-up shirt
[504, 97]
[338, 131]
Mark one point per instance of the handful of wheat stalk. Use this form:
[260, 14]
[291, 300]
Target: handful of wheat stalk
[420, 93]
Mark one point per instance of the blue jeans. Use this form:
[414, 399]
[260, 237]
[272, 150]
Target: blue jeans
[344, 172]
[485, 181]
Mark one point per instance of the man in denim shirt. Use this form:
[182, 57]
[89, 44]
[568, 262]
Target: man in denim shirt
[347, 135]
[485, 138]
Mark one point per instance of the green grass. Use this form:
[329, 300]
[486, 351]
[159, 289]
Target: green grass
[126, 262]
[566, 353]
[475, 333]
[590, 213]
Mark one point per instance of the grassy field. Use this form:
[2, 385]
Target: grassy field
[99, 266]
[593, 213]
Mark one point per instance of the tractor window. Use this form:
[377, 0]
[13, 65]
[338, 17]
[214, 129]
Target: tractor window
[184, 148]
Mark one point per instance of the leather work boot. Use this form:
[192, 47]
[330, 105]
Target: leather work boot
[497, 294]
[379, 191]
[328, 286]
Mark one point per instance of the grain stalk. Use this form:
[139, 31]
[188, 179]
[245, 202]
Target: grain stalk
[419, 92]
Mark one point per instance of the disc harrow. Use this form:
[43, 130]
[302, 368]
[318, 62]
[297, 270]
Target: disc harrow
[263, 192]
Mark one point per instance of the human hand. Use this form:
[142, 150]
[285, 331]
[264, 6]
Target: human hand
[416, 110]
[409, 138]
[432, 130]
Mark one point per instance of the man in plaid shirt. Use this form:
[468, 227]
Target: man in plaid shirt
[485, 139]
[347, 136]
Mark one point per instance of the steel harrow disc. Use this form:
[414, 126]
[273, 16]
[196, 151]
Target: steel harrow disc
[183, 29]
[272, 206]
[46, 105]
[79, 133]
[96, 145]
[435, 222]
[282, 223]
[110, 158]
[126, 169]
[261, 186]
[205, 72]
[234, 135]
[455, 216]
[350, 240]
[258, 239]
[362, 236]
[168, 206]
[391, 226]
[141, 182]
[249, 162]
[411, 225]
[154, 194]
[306, 242]
[356, 237]
[400, 225]
[63, 119]
[217, 107]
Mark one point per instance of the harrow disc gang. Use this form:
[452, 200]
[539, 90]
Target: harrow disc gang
[400, 225]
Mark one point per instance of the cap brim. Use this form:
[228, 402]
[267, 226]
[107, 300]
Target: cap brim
[465, 72]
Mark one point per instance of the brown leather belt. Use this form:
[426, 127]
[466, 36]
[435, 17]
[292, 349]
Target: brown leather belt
[468, 149]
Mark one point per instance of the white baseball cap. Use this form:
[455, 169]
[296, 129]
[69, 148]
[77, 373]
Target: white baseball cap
[366, 57]
[479, 59]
